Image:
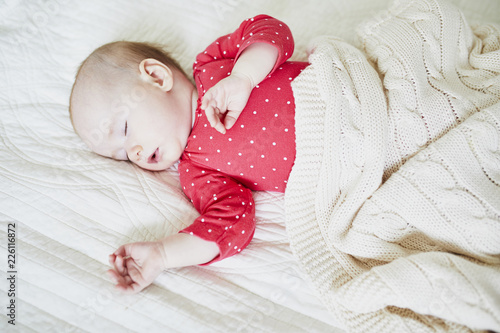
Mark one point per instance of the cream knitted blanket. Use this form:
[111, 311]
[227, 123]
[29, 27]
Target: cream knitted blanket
[393, 204]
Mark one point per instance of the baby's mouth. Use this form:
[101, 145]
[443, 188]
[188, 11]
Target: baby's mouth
[155, 156]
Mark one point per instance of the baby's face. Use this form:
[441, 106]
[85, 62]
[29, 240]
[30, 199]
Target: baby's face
[144, 124]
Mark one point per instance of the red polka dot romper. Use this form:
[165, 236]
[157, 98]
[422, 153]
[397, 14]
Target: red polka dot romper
[219, 171]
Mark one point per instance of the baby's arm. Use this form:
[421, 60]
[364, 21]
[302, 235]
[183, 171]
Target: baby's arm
[231, 94]
[258, 47]
[136, 265]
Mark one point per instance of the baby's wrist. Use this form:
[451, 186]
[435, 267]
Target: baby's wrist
[244, 77]
[163, 253]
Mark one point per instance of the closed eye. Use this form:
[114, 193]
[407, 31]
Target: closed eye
[126, 127]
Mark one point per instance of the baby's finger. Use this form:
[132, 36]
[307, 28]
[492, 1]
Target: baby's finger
[134, 272]
[119, 265]
[219, 127]
[111, 259]
[230, 119]
[115, 277]
[124, 250]
[132, 288]
[212, 118]
[207, 98]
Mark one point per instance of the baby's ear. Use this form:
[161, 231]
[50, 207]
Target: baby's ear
[157, 73]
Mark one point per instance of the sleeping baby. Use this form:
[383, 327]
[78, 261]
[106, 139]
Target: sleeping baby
[233, 133]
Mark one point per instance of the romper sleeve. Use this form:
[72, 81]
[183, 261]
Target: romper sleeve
[226, 207]
[262, 29]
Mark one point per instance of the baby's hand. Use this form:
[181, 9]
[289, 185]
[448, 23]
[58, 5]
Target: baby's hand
[136, 265]
[226, 100]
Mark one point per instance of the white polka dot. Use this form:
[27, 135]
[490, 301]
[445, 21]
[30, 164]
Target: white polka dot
[251, 141]
[230, 139]
[263, 177]
[239, 250]
[284, 158]
[191, 233]
[228, 163]
[211, 137]
[206, 159]
[194, 136]
[286, 129]
[237, 45]
[239, 154]
[199, 148]
[274, 169]
[262, 156]
[241, 173]
[209, 230]
[187, 170]
[255, 112]
[218, 150]
[202, 220]
[267, 100]
[208, 181]
[235, 247]
[263, 128]
[278, 88]
[288, 102]
[224, 52]
[243, 215]
[243, 231]
[242, 126]
[237, 216]
[251, 166]
[211, 78]
[215, 198]
[192, 184]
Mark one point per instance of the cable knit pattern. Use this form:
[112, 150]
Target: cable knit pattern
[393, 204]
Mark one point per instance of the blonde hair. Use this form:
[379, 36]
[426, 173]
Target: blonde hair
[120, 60]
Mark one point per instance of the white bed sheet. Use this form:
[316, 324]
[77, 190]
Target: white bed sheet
[72, 208]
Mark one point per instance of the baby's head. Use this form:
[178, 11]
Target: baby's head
[132, 101]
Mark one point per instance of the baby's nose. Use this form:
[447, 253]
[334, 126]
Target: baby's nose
[135, 153]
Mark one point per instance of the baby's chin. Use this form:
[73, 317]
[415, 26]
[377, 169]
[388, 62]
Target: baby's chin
[156, 167]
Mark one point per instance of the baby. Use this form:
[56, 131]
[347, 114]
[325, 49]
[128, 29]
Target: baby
[233, 132]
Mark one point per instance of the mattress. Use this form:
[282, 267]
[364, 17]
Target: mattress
[63, 209]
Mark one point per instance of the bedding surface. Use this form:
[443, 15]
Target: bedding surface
[71, 208]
